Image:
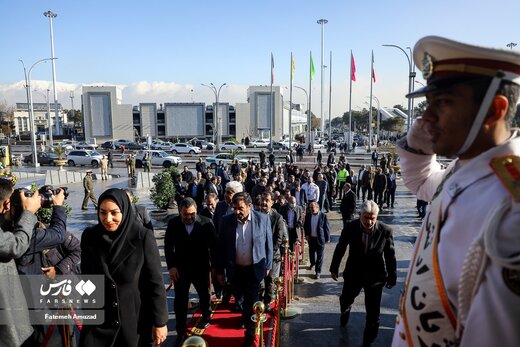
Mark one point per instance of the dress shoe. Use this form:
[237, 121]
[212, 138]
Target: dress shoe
[84, 209]
[343, 319]
[310, 267]
[317, 276]
[204, 323]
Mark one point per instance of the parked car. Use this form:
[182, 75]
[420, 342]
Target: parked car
[44, 158]
[184, 148]
[159, 158]
[134, 146]
[259, 143]
[118, 143]
[108, 145]
[85, 145]
[286, 144]
[162, 145]
[67, 145]
[84, 157]
[277, 146]
[203, 144]
[229, 145]
[225, 158]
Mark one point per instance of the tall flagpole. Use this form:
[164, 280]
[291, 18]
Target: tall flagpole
[290, 103]
[350, 105]
[330, 98]
[271, 120]
[309, 112]
[370, 104]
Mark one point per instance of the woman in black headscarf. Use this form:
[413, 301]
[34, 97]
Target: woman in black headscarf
[125, 252]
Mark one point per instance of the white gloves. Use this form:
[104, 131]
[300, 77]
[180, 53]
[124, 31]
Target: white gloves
[418, 139]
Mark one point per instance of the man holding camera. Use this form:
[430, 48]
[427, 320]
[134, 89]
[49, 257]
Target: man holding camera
[12, 245]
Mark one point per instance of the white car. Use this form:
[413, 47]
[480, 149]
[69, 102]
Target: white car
[231, 146]
[285, 143]
[259, 143]
[159, 158]
[225, 158]
[85, 145]
[84, 157]
[165, 146]
[184, 148]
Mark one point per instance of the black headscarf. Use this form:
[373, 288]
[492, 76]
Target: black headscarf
[129, 228]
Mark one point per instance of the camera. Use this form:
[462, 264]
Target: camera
[46, 193]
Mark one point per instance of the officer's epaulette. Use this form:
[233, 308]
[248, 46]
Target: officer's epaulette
[508, 171]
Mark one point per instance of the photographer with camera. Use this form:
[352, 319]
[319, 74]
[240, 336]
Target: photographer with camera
[12, 245]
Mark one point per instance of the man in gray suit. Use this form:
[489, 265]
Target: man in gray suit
[292, 214]
[245, 254]
[13, 245]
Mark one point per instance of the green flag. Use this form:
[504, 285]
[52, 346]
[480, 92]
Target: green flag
[313, 72]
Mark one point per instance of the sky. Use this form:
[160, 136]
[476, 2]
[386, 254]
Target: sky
[162, 50]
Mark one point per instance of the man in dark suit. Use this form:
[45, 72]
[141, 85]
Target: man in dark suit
[200, 166]
[223, 208]
[292, 214]
[212, 186]
[279, 232]
[211, 203]
[189, 247]
[371, 264]
[299, 194]
[348, 203]
[246, 254]
[317, 233]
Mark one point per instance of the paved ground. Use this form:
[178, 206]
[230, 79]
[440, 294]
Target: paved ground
[317, 303]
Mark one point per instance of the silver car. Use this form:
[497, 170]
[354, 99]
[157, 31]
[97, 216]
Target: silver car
[84, 157]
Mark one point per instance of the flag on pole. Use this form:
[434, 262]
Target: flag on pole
[352, 68]
[373, 71]
[313, 71]
[292, 67]
[272, 69]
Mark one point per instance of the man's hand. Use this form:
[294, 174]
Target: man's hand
[267, 272]
[174, 274]
[418, 139]
[159, 335]
[31, 204]
[50, 272]
[334, 276]
[58, 199]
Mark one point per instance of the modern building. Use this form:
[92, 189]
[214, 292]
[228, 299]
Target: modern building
[104, 116]
[41, 119]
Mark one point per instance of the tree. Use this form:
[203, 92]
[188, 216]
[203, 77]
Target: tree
[6, 118]
[394, 124]
[315, 122]
[337, 122]
[420, 108]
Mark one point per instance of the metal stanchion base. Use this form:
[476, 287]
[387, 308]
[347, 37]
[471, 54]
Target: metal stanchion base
[288, 313]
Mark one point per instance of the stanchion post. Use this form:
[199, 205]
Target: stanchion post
[259, 318]
[279, 289]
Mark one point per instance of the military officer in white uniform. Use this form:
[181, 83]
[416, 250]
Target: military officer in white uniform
[463, 284]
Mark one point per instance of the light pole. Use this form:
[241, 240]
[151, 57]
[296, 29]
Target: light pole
[217, 122]
[52, 15]
[511, 45]
[29, 101]
[378, 119]
[322, 22]
[411, 77]
[72, 105]
[49, 123]
[308, 113]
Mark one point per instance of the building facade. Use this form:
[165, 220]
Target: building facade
[41, 118]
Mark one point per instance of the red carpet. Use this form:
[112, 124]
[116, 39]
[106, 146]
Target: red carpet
[224, 330]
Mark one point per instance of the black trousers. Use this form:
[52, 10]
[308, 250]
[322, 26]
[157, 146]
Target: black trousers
[293, 236]
[351, 290]
[200, 281]
[245, 290]
[316, 254]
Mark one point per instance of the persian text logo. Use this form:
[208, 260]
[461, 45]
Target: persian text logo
[60, 288]
[64, 288]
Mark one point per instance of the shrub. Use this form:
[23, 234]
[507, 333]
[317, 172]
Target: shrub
[163, 190]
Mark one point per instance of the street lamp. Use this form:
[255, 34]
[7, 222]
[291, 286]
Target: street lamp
[322, 22]
[411, 77]
[217, 122]
[30, 102]
[52, 15]
[72, 105]
[511, 45]
[49, 123]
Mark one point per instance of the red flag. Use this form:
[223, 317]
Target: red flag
[373, 71]
[272, 69]
[352, 68]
